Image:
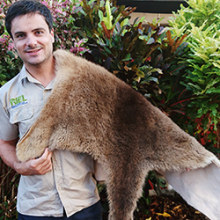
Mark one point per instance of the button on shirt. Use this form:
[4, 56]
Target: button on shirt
[70, 185]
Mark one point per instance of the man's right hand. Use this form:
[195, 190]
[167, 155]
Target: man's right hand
[37, 166]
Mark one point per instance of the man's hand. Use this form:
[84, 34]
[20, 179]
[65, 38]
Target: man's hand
[37, 166]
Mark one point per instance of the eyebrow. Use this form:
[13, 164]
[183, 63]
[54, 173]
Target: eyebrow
[38, 29]
[19, 32]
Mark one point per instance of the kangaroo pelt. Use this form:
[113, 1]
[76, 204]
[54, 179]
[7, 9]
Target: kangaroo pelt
[92, 111]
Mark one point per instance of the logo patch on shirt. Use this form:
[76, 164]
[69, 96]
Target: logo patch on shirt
[20, 100]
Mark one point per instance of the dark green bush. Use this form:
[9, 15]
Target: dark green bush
[200, 20]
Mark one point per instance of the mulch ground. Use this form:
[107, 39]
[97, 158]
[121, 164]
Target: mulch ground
[172, 208]
[166, 208]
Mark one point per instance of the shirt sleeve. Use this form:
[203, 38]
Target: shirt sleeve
[100, 174]
[8, 131]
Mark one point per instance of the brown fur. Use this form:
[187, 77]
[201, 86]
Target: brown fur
[92, 111]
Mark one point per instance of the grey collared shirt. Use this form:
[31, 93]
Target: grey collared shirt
[70, 185]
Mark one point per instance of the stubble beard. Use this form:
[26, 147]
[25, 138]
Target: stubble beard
[40, 62]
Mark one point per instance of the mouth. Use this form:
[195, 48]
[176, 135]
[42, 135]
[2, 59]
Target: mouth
[33, 51]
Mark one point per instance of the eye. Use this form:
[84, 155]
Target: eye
[39, 32]
[19, 35]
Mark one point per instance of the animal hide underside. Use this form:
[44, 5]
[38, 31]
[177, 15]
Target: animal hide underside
[92, 111]
[199, 187]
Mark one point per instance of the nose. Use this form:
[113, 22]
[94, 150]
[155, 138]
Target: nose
[31, 40]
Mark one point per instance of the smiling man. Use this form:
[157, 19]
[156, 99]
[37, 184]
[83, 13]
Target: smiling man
[33, 40]
[54, 186]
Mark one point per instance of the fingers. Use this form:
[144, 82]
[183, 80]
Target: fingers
[43, 164]
[38, 166]
[46, 156]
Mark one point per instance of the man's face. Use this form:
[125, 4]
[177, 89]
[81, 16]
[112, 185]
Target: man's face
[32, 39]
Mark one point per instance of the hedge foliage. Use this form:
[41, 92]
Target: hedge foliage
[201, 22]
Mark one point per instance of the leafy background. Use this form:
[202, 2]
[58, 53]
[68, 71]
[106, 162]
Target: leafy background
[175, 67]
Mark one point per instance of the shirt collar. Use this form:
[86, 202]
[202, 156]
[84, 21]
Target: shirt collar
[25, 75]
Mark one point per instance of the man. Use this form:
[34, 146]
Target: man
[57, 185]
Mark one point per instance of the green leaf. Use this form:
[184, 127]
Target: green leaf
[127, 58]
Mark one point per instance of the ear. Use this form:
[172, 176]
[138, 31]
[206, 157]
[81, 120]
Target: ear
[52, 35]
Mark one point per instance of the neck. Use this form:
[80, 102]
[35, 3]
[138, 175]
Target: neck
[44, 73]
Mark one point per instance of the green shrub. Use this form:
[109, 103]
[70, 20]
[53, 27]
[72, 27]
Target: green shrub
[201, 22]
[141, 56]
[9, 64]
